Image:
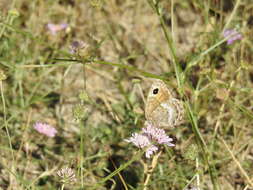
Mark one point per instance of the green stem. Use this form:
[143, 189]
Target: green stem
[5, 120]
[6, 128]
[170, 43]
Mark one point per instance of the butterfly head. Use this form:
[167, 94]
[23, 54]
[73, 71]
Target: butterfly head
[159, 91]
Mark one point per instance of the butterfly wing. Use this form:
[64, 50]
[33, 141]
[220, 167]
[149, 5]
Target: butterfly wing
[158, 93]
[162, 109]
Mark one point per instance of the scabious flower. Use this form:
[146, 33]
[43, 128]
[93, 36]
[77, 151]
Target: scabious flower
[54, 28]
[232, 35]
[78, 47]
[143, 141]
[150, 151]
[150, 138]
[67, 175]
[45, 129]
[139, 140]
[157, 135]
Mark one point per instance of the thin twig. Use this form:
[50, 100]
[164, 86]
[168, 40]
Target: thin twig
[232, 15]
[153, 165]
[237, 163]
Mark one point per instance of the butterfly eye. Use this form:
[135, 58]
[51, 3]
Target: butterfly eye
[155, 91]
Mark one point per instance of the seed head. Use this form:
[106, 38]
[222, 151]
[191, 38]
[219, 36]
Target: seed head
[67, 175]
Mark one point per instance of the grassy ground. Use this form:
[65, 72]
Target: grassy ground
[128, 43]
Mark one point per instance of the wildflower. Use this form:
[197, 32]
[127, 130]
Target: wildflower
[77, 46]
[150, 138]
[45, 129]
[143, 141]
[67, 175]
[151, 150]
[54, 28]
[157, 135]
[232, 36]
[139, 140]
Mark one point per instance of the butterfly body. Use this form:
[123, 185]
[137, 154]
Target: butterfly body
[162, 110]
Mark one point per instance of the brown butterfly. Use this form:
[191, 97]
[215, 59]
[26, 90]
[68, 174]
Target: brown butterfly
[162, 109]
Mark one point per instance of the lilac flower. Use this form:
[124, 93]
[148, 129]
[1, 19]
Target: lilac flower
[139, 140]
[150, 150]
[232, 36]
[158, 135]
[45, 129]
[143, 141]
[54, 28]
[149, 138]
[77, 46]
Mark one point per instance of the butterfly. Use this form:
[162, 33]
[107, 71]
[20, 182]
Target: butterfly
[162, 109]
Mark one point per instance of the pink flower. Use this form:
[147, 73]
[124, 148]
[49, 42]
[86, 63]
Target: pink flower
[77, 45]
[149, 138]
[143, 141]
[139, 140]
[54, 28]
[232, 36]
[150, 150]
[45, 129]
[157, 135]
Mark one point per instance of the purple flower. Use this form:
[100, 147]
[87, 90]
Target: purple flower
[143, 141]
[77, 45]
[158, 135]
[232, 36]
[45, 129]
[54, 28]
[149, 138]
[150, 150]
[139, 140]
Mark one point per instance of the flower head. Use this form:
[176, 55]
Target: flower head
[151, 150]
[83, 96]
[149, 138]
[67, 175]
[139, 140]
[232, 36]
[45, 129]
[54, 28]
[143, 141]
[79, 112]
[78, 47]
[157, 135]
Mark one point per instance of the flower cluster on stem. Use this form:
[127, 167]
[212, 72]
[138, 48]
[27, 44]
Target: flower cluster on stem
[149, 139]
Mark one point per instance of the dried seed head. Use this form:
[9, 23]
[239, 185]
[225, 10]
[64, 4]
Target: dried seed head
[67, 175]
[79, 112]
